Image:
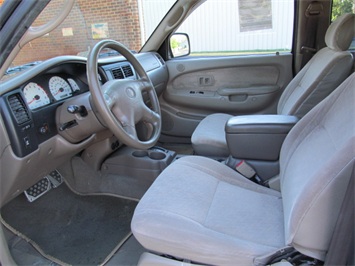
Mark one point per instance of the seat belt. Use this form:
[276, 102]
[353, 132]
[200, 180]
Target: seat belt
[341, 249]
[245, 169]
[309, 48]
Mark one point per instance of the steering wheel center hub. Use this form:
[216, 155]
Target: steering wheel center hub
[130, 92]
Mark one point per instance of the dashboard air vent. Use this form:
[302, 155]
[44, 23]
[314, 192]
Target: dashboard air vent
[18, 109]
[117, 73]
[127, 71]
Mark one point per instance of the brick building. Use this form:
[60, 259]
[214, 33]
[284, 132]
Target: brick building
[88, 23]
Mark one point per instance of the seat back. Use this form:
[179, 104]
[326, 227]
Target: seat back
[328, 68]
[316, 163]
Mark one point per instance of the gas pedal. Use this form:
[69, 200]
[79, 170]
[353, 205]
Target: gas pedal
[52, 180]
[56, 178]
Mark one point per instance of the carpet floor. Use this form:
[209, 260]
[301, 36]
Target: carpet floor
[76, 230]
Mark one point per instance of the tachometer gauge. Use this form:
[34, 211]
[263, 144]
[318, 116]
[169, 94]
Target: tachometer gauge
[59, 88]
[35, 96]
[74, 85]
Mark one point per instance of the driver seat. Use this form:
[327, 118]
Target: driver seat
[203, 211]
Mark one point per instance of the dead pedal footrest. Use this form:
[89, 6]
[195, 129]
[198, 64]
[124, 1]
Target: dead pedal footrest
[52, 180]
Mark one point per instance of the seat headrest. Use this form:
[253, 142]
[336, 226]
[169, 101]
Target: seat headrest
[341, 32]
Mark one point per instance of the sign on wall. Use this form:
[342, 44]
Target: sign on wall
[255, 15]
[99, 31]
[67, 32]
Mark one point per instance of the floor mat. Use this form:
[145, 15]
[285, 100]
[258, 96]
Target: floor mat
[78, 230]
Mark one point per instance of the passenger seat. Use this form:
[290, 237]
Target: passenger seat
[328, 68]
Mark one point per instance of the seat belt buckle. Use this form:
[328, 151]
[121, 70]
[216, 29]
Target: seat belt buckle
[245, 169]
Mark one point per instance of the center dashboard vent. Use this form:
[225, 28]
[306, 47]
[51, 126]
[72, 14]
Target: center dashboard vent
[18, 109]
[127, 70]
[117, 73]
[122, 72]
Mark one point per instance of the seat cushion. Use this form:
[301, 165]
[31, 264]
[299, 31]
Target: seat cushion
[209, 138]
[201, 210]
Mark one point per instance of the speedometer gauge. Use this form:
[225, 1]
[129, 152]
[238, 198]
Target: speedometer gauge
[35, 96]
[59, 88]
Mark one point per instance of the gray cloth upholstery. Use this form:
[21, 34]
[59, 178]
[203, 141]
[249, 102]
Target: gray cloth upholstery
[320, 76]
[193, 211]
[201, 210]
[210, 133]
[316, 162]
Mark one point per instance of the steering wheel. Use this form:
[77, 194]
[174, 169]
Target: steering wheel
[120, 103]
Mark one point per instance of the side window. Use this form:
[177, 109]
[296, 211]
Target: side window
[341, 7]
[232, 27]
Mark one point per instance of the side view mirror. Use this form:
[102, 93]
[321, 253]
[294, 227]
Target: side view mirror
[179, 44]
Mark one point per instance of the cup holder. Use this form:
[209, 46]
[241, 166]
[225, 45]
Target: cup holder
[154, 155]
[140, 153]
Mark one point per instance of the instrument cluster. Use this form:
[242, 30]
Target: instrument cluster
[49, 89]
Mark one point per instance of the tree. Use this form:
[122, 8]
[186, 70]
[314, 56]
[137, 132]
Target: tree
[342, 6]
[174, 43]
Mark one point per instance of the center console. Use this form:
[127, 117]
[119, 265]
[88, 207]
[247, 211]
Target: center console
[146, 164]
[258, 137]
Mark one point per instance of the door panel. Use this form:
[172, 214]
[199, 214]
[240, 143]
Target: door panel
[235, 85]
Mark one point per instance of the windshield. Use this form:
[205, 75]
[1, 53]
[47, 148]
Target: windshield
[129, 22]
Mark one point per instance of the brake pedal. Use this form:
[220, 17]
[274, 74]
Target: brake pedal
[55, 178]
[38, 189]
[52, 180]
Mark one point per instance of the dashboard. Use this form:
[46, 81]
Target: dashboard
[39, 132]
[29, 108]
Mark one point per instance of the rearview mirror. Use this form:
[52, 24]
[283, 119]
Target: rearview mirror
[179, 44]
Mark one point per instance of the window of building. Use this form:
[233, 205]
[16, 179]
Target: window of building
[228, 27]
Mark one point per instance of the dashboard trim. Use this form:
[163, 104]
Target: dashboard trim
[31, 73]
